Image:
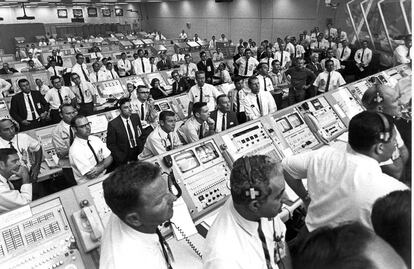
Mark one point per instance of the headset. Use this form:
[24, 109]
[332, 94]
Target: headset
[386, 134]
[252, 192]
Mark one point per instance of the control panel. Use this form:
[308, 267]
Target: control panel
[96, 191]
[99, 124]
[358, 89]
[182, 106]
[345, 105]
[291, 127]
[249, 139]
[327, 118]
[44, 135]
[166, 104]
[110, 89]
[203, 175]
[38, 237]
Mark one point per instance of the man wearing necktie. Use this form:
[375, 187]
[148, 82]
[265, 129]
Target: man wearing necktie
[86, 95]
[164, 63]
[139, 204]
[329, 79]
[54, 69]
[206, 65]
[124, 132]
[202, 92]
[29, 108]
[223, 117]
[264, 79]
[363, 58]
[62, 138]
[80, 68]
[10, 198]
[164, 137]
[247, 64]
[248, 233]
[88, 155]
[141, 64]
[57, 58]
[124, 65]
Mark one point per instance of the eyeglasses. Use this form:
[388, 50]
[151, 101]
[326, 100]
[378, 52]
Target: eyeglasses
[84, 125]
[144, 92]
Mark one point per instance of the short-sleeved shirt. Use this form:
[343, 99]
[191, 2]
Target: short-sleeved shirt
[342, 184]
[335, 81]
[52, 97]
[88, 91]
[82, 159]
[189, 132]
[252, 63]
[24, 144]
[210, 94]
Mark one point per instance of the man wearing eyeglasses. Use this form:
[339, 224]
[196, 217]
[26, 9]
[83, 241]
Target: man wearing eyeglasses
[88, 155]
[144, 106]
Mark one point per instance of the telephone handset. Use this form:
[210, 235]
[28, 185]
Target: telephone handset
[172, 182]
[89, 226]
[313, 124]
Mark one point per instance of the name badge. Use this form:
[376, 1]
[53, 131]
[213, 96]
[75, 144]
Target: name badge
[39, 105]
[139, 131]
[208, 68]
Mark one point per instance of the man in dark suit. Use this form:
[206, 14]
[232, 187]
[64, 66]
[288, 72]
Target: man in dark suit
[7, 70]
[56, 57]
[223, 117]
[164, 63]
[207, 66]
[28, 107]
[124, 134]
[316, 68]
[180, 84]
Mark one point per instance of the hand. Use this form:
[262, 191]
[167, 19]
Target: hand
[43, 115]
[95, 172]
[34, 172]
[210, 122]
[23, 173]
[25, 122]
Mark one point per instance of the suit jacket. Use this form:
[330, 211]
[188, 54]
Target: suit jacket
[231, 119]
[4, 72]
[161, 66]
[315, 69]
[59, 61]
[18, 109]
[117, 138]
[180, 87]
[208, 68]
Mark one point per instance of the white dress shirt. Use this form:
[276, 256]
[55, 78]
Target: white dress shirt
[300, 51]
[25, 146]
[153, 68]
[251, 107]
[96, 55]
[158, 142]
[27, 100]
[331, 32]
[43, 90]
[252, 63]
[286, 57]
[234, 242]
[81, 157]
[225, 76]
[366, 57]
[290, 48]
[138, 63]
[88, 91]
[61, 143]
[10, 198]
[219, 121]
[210, 94]
[57, 70]
[52, 97]
[124, 66]
[212, 44]
[4, 86]
[323, 44]
[131, 126]
[335, 81]
[188, 70]
[182, 35]
[189, 131]
[125, 247]
[99, 76]
[401, 54]
[265, 80]
[111, 74]
[345, 55]
[36, 61]
[342, 184]
[177, 57]
[336, 62]
[77, 68]
[268, 61]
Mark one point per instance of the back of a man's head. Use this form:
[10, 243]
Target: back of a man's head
[342, 247]
[5, 153]
[391, 219]
[367, 129]
[122, 190]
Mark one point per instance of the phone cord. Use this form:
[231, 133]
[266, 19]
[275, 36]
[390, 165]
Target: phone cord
[193, 247]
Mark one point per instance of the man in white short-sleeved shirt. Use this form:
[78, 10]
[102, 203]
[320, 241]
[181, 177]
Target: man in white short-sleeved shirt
[329, 79]
[344, 184]
[246, 64]
[247, 232]
[202, 92]
[88, 155]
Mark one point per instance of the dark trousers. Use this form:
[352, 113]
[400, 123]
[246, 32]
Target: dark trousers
[33, 125]
[278, 99]
[54, 116]
[86, 108]
[69, 178]
[296, 96]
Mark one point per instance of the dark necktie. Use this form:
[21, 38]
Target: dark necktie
[295, 52]
[362, 56]
[31, 107]
[264, 81]
[81, 94]
[142, 65]
[11, 145]
[247, 67]
[268, 62]
[281, 58]
[131, 137]
[223, 122]
[330, 44]
[327, 82]
[201, 131]
[60, 97]
[342, 53]
[201, 94]
[70, 136]
[84, 73]
[93, 151]
[264, 246]
[96, 76]
[54, 70]
[142, 112]
[238, 101]
[318, 44]
[188, 70]
[165, 249]
[171, 142]
[258, 103]
[112, 74]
